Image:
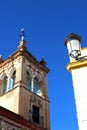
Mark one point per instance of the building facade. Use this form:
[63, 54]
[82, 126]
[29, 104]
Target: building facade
[78, 68]
[23, 90]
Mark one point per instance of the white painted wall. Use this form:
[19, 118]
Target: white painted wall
[79, 77]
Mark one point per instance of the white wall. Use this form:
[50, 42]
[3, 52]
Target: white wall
[79, 77]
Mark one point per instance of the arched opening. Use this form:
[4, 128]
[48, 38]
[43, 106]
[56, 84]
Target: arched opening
[28, 80]
[5, 80]
[36, 85]
[12, 80]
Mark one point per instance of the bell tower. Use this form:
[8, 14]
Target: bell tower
[23, 86]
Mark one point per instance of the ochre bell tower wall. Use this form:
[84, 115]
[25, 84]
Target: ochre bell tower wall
[20, 99]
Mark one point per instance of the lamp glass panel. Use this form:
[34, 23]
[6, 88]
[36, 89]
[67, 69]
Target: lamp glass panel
[73, 45]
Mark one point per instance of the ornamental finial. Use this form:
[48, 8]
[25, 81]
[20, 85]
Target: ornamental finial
[22, 35]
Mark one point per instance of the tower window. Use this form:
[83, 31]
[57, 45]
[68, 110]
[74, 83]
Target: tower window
[35, 113]
[28, 80]
[36, 85]
[12, 80]
[5, 84]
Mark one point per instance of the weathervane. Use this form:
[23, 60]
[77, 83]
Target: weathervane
[22, 35]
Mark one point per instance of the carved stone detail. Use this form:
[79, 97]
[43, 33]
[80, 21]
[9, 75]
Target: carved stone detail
[34, 100]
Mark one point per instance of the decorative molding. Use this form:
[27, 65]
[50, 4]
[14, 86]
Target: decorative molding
[34, 100]
[76, 65]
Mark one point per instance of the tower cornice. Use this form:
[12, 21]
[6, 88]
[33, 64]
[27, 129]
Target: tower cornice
[27, 55]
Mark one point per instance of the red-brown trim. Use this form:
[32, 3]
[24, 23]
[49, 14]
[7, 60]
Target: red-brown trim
[1, 119]
[18, 119]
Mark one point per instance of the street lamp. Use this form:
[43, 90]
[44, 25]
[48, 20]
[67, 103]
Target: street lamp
[73, 43]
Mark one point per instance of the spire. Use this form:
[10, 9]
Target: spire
[22, 34]
[22, 45]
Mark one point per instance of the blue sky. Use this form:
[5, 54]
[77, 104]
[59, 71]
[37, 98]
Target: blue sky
[47, 23]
